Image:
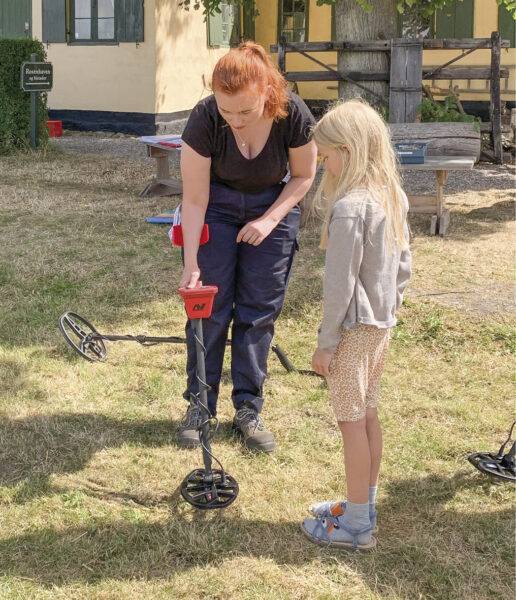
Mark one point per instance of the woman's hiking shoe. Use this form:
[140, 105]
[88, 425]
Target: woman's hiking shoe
[253, 429]
[336, 509]
[332, 532]
[188, 432]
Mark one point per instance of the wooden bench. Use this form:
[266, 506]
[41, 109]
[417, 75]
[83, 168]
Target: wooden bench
[434, 204]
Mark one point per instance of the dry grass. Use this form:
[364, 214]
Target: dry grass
[89, 469]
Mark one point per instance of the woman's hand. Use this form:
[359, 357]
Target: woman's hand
[190, 277]
[321, 362]
[256, 231]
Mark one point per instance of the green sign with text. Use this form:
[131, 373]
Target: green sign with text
[36, 76]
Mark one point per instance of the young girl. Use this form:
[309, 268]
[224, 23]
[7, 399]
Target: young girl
[367, 269]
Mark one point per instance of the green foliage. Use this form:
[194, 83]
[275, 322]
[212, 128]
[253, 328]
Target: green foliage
[14, 102]
[428, 7]
[433, 111]
[211, 7]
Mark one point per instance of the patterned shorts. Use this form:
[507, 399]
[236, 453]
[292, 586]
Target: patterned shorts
[356, 369]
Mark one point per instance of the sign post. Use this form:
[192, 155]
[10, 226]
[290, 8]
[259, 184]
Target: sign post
[35, 77]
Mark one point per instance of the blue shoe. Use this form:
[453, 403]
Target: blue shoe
[336, 509]
[331, 532]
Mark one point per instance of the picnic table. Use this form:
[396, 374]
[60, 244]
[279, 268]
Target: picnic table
[435, 204]
[160, 147]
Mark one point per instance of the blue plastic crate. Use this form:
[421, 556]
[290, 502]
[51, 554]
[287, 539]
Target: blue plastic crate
[411, 152]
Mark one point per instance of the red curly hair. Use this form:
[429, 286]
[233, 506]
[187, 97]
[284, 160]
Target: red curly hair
[249, 64]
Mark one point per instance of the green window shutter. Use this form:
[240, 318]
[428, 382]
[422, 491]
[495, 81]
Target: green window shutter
[506, 25]
[224, 27]
[129, 18]
[215, 37]
[54, 21]
[445, 22]
[455, 21]
[248, 24]
[464, 12]
[14, 14]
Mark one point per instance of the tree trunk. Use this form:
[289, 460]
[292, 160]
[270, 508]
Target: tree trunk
[352, 23]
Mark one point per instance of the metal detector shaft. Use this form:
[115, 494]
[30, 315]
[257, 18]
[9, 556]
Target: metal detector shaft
[203, 395]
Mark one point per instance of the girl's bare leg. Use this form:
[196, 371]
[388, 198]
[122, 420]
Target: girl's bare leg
[374, 437]
[357, 459]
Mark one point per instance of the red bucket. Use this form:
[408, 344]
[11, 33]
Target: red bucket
[199, 301]
[55, 128]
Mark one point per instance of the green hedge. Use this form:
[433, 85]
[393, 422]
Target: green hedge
[14, 102]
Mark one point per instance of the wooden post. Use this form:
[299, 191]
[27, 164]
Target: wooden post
[495, 107]
[405, 80]
[282, 62]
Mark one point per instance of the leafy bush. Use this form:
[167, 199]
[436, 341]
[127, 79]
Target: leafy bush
[14, 102]
[433, 111]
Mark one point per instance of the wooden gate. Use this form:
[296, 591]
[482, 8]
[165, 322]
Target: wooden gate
[405, 83]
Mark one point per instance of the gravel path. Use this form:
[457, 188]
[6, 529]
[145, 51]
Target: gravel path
[483, 177]
[102, 143]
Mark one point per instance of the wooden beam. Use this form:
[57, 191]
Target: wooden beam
[385, 45]
[366, 46]
[464, 73]
[495, 107]
[460, 43]
[426, 205]
[334, 76]
[282, 61]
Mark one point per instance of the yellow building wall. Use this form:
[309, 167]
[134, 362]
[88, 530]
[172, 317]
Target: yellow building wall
[118, 78]
[184, 62]
[170, 70]
[485, 22]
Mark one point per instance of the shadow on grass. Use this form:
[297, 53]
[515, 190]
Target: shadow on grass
[469, 226]
[499, 212]
[420, 562]
[36, 447]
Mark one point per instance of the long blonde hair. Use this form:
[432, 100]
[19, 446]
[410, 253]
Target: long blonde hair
[370, 164]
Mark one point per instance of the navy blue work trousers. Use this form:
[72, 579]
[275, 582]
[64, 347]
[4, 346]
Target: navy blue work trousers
[252, 281]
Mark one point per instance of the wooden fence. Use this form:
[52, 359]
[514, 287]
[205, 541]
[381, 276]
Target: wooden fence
[406, 72]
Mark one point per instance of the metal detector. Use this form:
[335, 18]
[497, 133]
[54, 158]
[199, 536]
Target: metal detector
[498, 465]
[205, 488]
[84, 338]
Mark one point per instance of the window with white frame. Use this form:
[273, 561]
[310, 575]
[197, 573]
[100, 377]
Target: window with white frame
[93, 20]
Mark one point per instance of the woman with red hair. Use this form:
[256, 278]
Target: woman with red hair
[246, 162]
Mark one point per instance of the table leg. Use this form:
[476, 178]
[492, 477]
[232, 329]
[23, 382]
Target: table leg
[443, 215]
[162, 166]
[164, 185]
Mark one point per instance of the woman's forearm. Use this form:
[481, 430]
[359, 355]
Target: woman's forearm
[293, 192]
[192, 221]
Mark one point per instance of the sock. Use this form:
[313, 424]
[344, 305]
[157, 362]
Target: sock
[372, 496]
[355, 517]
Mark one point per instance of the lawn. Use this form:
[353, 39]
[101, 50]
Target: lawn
[89, 467]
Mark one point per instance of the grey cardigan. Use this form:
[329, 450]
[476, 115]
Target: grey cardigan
[364, 280]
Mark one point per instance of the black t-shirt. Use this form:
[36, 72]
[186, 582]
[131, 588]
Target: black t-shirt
[208, 134]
